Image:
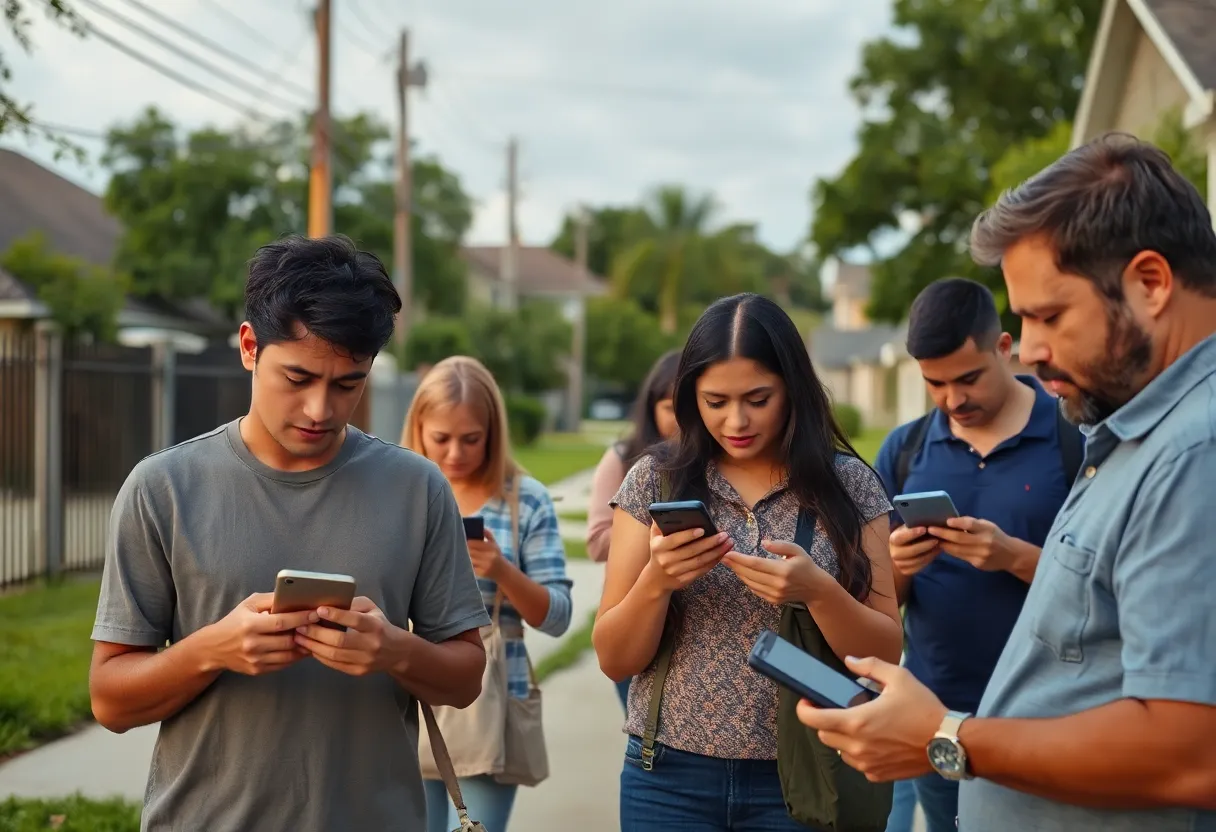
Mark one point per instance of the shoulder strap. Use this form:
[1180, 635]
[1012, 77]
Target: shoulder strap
[1072, 446]
[662, 661]
[443, 760]
[913, 439]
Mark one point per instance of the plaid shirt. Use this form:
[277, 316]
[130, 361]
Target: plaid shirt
[542, 557]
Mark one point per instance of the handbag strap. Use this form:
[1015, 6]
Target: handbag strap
[443, 761]
[512, 489]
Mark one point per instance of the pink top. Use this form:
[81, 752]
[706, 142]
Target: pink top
[609, 475]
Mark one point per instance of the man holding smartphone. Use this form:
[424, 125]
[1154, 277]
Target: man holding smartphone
[996, 444]
[273, 721]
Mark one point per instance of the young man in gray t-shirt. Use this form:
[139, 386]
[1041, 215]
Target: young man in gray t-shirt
[273, 722]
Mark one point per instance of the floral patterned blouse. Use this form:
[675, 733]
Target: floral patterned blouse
[713, 703]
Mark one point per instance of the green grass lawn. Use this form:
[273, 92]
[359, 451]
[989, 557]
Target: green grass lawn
[44, 663]
[575, 549]
[69, 814]
[575, 643]
[868, 444]
[557, 456]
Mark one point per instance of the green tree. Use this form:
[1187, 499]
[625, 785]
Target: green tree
[83, 299]
[623, 341]
[943, 100]
[195, 207]
[525, 349]
[609, 232]
[435, 339]
[13, 114]
[1188, 156]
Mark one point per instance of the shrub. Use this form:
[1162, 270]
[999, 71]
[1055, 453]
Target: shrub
[849, 419]
[435, 339]
[526, 418]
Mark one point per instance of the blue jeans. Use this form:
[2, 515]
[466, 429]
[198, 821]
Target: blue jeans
[487, 801]
[939, 801]
[622, 690]
[903, 807]
[687, 792]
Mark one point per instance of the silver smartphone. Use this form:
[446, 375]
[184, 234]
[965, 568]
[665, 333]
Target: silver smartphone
[296, 590]
[925, 508]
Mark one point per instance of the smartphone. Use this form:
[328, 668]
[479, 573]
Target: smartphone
[296, 590]
[681, 516]
[805, 675]
[925, 508]
[474, 528]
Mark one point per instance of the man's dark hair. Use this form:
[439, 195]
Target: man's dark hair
[947, 313]
[329, 287]
[1101, 205]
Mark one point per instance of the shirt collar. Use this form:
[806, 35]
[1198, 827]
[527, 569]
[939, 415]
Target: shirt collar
[1161, 395]
[1041, 425]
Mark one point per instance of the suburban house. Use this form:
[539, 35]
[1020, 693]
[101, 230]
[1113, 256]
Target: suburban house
[864, 363]
[1151, 57]
[540, 274]
[75, 223]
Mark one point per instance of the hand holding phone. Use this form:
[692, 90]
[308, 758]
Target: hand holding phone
[684, 543]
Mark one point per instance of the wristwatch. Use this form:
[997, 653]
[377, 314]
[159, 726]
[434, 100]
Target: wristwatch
[946, 753]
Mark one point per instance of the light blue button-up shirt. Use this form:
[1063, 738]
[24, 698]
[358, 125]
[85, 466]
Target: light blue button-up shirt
[1122, 603]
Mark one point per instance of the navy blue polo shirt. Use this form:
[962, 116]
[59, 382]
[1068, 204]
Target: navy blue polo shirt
[958, 617]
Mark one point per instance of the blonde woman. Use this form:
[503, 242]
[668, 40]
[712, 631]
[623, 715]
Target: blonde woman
[457, 420]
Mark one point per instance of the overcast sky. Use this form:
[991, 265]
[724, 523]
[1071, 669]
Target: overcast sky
[747, 98]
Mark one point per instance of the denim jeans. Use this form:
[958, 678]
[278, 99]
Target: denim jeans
[487, 801]
[903, 807]
[687, 792]
[622, 690]
[939, 801]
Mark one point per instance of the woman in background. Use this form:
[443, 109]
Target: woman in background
[458, 421]
[654, 419]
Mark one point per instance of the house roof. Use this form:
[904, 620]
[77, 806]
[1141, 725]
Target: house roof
[1180, 30]
[833, 349]
[75, 223]
[74, 220]
[541, 271]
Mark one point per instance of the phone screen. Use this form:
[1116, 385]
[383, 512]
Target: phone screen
[474, 528]
[681, 516]
[810, 677]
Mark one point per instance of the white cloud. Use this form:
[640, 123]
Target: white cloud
[748, 100]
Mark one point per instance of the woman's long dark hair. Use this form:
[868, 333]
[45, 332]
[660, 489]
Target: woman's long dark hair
[754, 327]
[660, 384]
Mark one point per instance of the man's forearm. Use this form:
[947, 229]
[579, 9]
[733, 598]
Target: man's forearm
[143, 687]
[1025, 559]
[447, 673]
[1125, 755]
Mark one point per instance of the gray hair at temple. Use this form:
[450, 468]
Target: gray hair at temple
[1101, 205]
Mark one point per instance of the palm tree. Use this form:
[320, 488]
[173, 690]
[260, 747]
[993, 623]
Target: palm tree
[670, 251]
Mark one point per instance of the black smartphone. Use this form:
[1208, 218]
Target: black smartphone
[681, 516]
[804, 674]
[474, 528]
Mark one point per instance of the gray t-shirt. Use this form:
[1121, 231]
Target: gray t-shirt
[195, 530]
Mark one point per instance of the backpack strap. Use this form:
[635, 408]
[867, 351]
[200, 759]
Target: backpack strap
[1072, 446]
[662, 661]
[913, 439]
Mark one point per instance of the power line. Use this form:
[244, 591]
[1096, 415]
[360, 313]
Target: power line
[211, 44]
[172, 74]
[219, 72]
[239, 21]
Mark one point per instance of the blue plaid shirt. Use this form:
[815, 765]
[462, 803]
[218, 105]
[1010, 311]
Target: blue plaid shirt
[542, 557]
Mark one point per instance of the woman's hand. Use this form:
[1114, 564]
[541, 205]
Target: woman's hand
[487, 558]
[795, 577]
[680, 558]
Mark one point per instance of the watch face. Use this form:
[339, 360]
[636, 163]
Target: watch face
[945, 758]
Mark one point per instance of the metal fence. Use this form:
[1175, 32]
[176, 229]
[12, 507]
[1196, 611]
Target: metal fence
[74, 420]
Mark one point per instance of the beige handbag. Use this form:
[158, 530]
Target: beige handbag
[498, 735]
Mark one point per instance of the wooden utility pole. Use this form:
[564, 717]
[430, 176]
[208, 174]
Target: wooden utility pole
[510, 252]
[578, 347]
[320, 181]
[403, 253]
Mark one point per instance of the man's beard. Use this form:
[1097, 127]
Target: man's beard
[1114, 379]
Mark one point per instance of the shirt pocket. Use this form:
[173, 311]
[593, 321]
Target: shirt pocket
[1062, 608]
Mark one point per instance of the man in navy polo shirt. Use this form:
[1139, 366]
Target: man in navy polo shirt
[998, 445]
